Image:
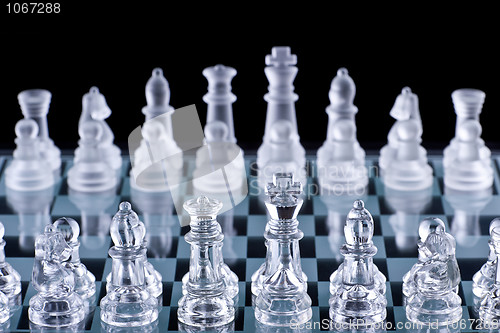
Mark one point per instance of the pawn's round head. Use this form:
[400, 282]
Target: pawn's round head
[69, 228]
[281, 131]
[26, 129]
[153, 130]
[157, 89]
[469, 131]
[344, 130]
[216, 131]
[358, 228]
[342, 89]
[126, 229]
[430, 225]
[408, 130]
[90, 131]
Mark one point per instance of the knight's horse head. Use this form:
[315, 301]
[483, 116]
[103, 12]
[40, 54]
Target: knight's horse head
[51, 246]
[94, 103]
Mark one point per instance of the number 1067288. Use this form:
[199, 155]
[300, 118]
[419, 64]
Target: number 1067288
[33, 8]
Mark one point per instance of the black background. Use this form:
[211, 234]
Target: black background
[115, 46]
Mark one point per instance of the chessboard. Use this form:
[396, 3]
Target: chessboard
[244, 250]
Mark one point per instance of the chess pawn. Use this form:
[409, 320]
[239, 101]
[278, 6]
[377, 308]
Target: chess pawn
[219, 98]
[409, 171]
[10, 280]
[489, 310]
[56, 304]
[128, 303]
[152, 278]
[90, 173]
[468, 170]
[28, 170]
[484, 279]
[435, 279]
[425, 228]
[84, 279]
[359, 299]
[206, 303]
[35, 105]
[405, 108]
[94, 107]
[283, 299]
[337, 277]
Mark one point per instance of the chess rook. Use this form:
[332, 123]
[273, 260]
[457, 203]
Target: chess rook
[219, 99]
[283, 298]
[206, 302]
[35, 105]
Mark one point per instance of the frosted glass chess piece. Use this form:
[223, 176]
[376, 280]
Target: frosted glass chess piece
[95, 218]
[467, 207]
[91, 173]
[157, 213]
[157, 162]
[10, 280]
[337, 277]
[56, 304]
[468, 104]
[84, 279]
[341, 160]
[94, 107]
[405, 108]
[468, 167]
[219, 98]
[33, 209]
[406, 206]
[28, 171]
[35, 105]
[206, 303]
[409, 170]
[432, 284]
[281, 150]
[152, 278]
[283, 297]
[489, 310]
[229, 277]
[426, 227]
[360, 298]
[128, 303]
[484, 279]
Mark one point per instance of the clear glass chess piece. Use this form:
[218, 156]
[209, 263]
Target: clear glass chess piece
[434, 298]
[484, 279]
[84, 279]
[56, 304]
[206, 303]
[128, 303]
[283, 298]
[10, 280]
[489, 310]
[358, 300]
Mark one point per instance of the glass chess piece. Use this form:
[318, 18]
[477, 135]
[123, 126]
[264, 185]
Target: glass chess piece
[128, 303]
[489, 310]
[10, 280]
[358, 300]
[206, 303]
[84, 279]
[56, 304]
[432, 283]
[283, 299]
